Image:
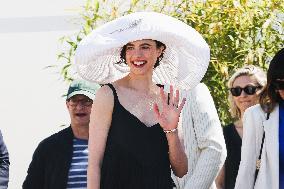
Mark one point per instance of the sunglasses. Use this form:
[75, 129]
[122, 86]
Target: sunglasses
[278, 84]
[249, 89]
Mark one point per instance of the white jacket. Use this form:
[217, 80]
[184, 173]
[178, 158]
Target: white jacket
[254, 122]
[203, 140]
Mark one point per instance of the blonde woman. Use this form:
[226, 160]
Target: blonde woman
[245, 85]
[262, 159]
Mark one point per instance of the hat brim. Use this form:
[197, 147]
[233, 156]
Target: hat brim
[86, 93]
[185, 60]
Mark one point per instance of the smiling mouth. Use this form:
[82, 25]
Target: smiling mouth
[139, 63]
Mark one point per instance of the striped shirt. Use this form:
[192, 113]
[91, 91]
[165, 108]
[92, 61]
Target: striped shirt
[77, 176]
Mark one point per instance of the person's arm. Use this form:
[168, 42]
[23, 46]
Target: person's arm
[177, 155]
[35, 173]
[4, 164]
[245, 178]
[100, 122]
[220, 180]
[168, 117]
[209, 136]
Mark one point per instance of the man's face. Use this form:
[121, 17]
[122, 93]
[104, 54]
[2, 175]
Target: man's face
[79, 107]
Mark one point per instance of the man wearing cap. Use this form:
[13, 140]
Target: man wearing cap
[60, 161]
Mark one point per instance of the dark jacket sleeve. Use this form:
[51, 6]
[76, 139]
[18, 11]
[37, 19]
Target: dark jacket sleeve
[4, 164]
[50, 163]
[35, 173]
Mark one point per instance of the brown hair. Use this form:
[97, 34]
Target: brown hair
[270, 97]
[159, 45]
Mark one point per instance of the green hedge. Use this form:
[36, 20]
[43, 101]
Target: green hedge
[238, 32]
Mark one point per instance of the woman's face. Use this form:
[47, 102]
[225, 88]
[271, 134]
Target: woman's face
[141, 55]
[281, 91]
[244, 100]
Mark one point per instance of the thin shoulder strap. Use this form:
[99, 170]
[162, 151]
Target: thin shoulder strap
[258, 161]
[263, 137]
[160, 85]
[267, 116]
[262, 141]
[114, 91]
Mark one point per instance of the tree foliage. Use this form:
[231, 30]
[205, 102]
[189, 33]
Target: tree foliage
[238, 32]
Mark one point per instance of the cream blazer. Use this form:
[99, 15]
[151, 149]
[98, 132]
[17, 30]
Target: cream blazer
[201, 133]
[254, 122]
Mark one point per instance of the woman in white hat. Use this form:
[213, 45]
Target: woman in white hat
[133, 138]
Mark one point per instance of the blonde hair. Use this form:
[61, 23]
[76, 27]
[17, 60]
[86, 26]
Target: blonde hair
[247, 70]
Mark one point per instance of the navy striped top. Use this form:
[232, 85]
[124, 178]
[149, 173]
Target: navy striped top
[77, 176]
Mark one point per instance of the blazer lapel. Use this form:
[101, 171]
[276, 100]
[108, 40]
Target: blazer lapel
[271, 127]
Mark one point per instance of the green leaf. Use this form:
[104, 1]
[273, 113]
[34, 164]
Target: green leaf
[237, 31]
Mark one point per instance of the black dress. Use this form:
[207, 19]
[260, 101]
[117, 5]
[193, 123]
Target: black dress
[233, 144]
[136, 156]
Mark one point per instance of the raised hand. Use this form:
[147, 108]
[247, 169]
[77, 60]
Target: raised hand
[168, 116]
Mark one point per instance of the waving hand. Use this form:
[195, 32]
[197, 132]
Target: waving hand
[168, 116]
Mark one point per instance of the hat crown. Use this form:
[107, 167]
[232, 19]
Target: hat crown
[82, 87]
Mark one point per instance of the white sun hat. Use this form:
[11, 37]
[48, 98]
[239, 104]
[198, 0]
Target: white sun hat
[185, 59]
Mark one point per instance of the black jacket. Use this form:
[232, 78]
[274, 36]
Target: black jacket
[4, 164]
[51, 161]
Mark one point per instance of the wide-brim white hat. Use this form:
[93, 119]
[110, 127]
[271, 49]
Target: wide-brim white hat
[185, 59]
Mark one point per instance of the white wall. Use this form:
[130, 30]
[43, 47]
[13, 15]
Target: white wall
[31, 106]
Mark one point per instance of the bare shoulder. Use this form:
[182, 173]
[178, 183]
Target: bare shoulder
[104, 98]
[102, 110]
[104, 91]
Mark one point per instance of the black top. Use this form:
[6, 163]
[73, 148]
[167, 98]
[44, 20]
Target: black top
[136, 156]
[233, 144]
